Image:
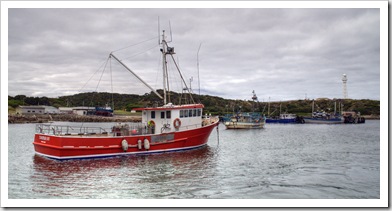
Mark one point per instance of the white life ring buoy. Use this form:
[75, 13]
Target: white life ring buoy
[139, 144]
[177, 123]
[146, 144]
[124, 145]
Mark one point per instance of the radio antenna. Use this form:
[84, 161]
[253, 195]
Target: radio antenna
[171, 36]
[159, 33]
[198, 72]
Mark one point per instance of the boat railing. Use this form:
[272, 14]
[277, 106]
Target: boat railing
[117, 130]
[68, 130]
[120, 129]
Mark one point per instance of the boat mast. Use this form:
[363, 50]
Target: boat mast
[254, 98]
[269, 99]
[166, 50]
[280, 108]
[313, 107]
[165, 78]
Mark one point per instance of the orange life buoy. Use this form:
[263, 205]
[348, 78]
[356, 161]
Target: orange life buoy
[177, 123]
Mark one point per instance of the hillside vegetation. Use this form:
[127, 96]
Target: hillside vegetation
[213, 105]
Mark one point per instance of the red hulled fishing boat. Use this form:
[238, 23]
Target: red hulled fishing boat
[163, 128]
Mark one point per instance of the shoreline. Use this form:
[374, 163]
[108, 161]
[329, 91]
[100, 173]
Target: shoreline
[371, 117]
[45, 118]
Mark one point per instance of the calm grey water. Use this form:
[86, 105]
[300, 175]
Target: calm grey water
[277, 162]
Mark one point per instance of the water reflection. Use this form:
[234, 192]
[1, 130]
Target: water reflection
[189, 157]
[136, 176]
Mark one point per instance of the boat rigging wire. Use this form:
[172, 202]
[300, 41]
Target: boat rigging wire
[104, 63]
[137, 54]
[111, 83]
[107, 60]
[135, 44]
[92, 98]
[179, 71]
[100, 78]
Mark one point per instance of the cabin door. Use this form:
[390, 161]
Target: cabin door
[151, 127]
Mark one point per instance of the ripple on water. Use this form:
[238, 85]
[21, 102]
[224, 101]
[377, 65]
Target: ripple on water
[277, 162]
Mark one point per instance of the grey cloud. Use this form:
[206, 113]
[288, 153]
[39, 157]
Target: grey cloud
[279, 53]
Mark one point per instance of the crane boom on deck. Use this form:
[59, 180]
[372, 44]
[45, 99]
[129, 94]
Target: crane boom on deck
[111, 55]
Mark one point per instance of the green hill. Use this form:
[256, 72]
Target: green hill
[214, 105]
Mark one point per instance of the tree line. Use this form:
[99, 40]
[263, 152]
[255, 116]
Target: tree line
[214, 105]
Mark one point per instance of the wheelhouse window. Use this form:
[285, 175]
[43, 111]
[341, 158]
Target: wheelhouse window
[186, 113]
[194, 112]
[168, 114]
[190, 112]
[152, 114]
[181, 113]
[198, 112]
[162, 114]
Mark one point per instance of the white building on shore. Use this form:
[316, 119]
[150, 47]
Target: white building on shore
[37, 110]
[81, 110]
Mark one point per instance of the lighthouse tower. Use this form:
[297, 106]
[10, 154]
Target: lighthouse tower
[344, 79]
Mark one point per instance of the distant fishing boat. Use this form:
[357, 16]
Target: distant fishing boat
[322, 117]
[163, 128]
[314, 120]
[101, 111]
[285, 119]
[245, 121]
[251, 120]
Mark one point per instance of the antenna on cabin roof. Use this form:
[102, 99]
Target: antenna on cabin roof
[198, 71]
[171, 36]
[159, 33]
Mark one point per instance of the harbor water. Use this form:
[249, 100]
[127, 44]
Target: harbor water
[280, 161]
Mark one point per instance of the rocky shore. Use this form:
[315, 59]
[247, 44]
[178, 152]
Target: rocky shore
[18, 119]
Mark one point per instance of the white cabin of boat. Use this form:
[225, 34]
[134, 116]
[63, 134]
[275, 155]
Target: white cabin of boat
[169, 118]
[172, 118]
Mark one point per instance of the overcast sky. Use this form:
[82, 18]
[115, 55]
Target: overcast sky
[282, 54]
